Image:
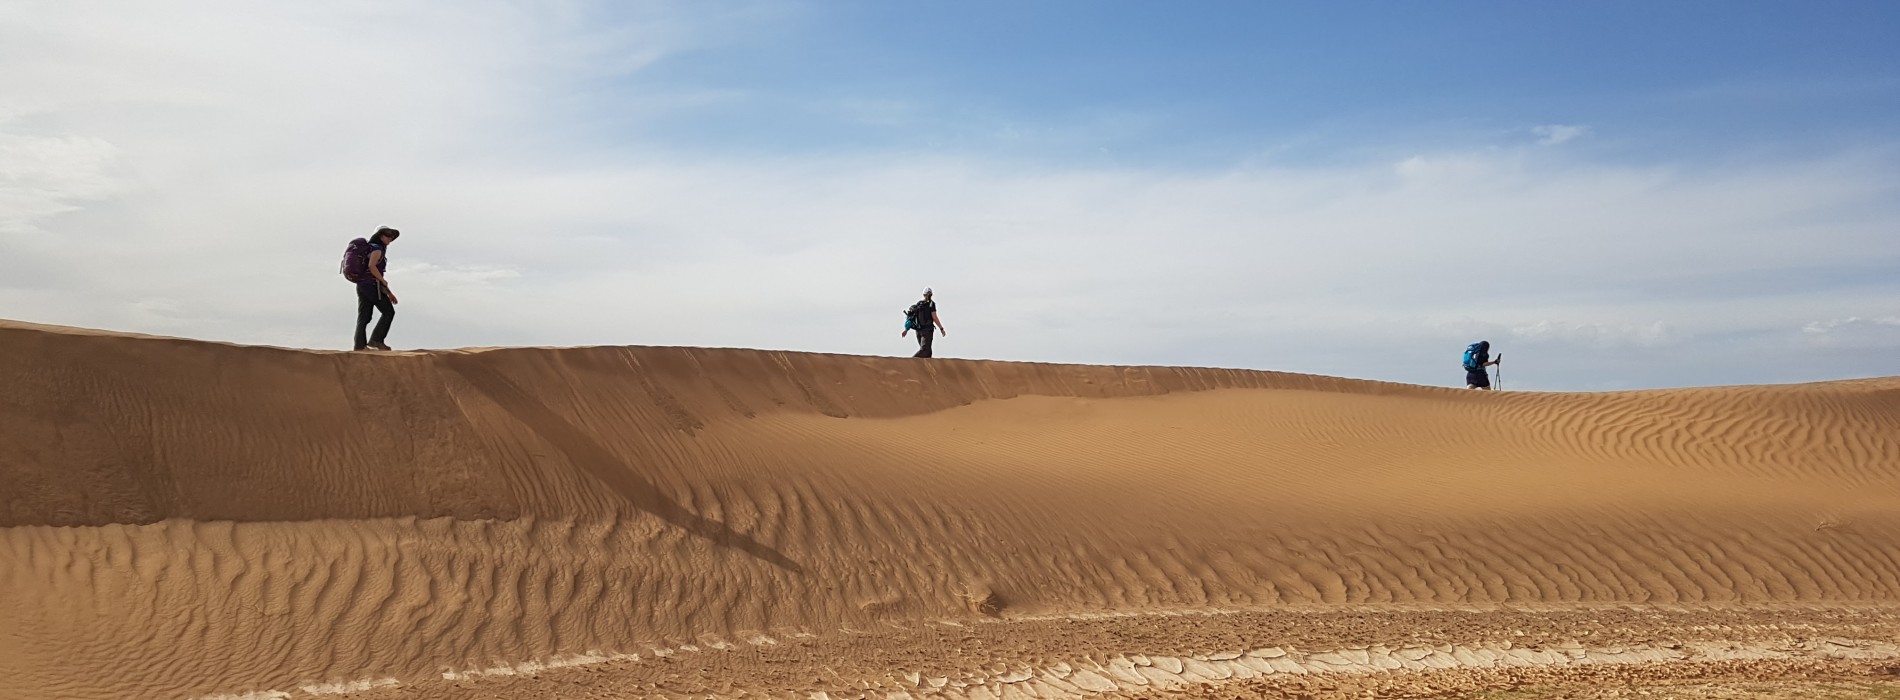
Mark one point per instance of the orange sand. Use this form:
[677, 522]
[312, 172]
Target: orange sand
[188, 519]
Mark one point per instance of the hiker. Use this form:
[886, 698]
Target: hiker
[1477, 358]
[363, 263]
[922, 317]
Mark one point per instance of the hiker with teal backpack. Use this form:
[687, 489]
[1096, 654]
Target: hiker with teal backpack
[1477, 358]
[363, 263]
[922, 317]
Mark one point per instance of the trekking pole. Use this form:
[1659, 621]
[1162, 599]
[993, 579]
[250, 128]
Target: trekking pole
[1500, 371]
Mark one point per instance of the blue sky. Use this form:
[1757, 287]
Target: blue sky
[1617, 194]
[1300, 81]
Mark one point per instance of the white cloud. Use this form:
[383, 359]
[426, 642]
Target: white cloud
[198, 171]
[1598, 335]
[1879, 333]
[1553, 134]
[41, 176]
[453, 276]
[1831, 325]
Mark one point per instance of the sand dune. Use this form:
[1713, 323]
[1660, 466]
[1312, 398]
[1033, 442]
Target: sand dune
[184, 519]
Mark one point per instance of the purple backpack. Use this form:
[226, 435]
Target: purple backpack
[355, 267]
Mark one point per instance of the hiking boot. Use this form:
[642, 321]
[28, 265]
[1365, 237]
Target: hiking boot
[379, 346]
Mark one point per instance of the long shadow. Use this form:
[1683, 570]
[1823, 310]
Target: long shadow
[588, 454]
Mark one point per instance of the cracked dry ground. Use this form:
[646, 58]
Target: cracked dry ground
[1526, 653]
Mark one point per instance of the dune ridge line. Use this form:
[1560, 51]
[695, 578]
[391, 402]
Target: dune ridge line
[184, 518]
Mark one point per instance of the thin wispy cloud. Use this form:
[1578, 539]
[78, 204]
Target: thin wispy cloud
[1553, 134]
[1599, 335]
[1761, 92]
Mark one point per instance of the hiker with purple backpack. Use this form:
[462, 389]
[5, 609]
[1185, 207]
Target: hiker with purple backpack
[363, 263]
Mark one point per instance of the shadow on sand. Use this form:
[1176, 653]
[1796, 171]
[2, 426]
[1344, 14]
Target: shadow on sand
[594, 459]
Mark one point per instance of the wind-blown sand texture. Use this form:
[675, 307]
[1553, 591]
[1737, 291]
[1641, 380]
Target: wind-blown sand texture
[190, 519]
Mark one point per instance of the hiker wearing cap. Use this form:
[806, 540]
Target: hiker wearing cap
[1477, 358]
[363, 263]
[922, 317]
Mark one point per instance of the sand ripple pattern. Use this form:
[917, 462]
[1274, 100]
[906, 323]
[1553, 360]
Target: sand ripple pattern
[185, 518]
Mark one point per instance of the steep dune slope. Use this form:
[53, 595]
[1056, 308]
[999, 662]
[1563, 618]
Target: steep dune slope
[186, 518]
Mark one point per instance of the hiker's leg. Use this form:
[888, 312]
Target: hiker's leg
[365, 303]
[389, 314]
[923, 344]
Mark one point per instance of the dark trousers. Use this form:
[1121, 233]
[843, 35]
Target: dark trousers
[371, 297]
[923, 343]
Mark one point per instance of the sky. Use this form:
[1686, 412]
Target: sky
[1617, 195]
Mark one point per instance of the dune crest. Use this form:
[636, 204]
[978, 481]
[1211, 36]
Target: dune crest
[185, 518]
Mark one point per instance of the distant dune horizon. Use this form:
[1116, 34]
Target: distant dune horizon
[1453, 381]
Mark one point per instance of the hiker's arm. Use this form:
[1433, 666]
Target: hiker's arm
[374, 257]
[939, 322]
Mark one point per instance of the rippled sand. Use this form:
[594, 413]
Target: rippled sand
[187, 519]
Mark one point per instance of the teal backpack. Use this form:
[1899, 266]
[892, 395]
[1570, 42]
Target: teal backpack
[1476, 355]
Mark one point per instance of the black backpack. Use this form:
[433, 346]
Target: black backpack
[917, 317]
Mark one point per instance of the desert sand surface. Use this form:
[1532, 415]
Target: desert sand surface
[184, 519]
